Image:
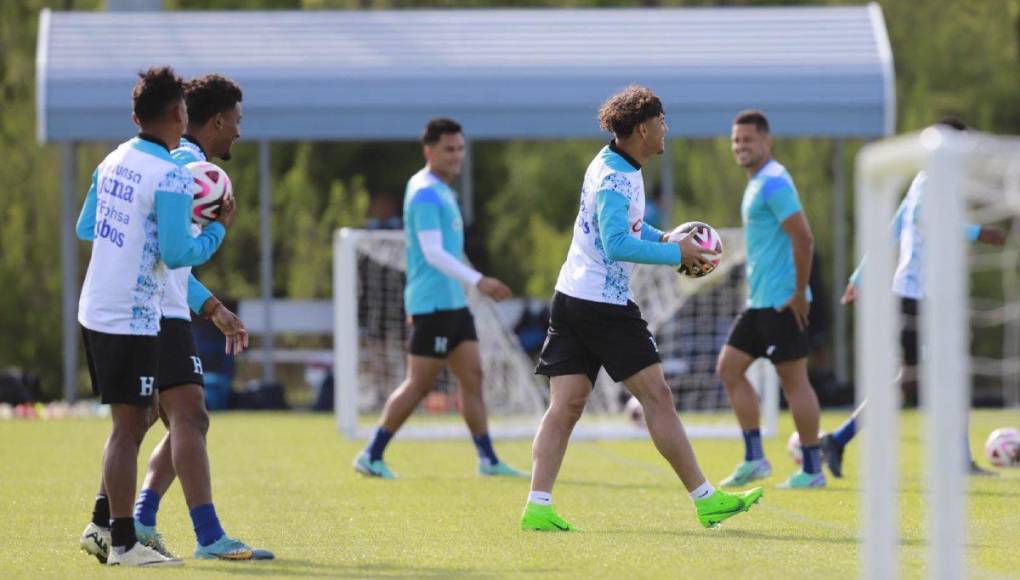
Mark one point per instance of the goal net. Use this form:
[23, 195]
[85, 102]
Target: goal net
[970, 325]
[689, 318]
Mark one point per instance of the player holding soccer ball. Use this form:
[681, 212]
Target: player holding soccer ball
[213, 116]
[443, 330]
[774, 325]
[142, 199]
[595, 324]
[909, 286]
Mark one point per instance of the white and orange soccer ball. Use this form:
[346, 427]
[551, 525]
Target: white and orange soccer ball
[1003, 447]
[706, 237]
[211, 187]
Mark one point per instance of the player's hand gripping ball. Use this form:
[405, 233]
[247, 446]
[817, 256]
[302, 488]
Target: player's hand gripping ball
[706, 237]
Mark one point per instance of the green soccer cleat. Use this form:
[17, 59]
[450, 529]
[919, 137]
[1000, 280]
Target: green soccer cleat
[804, 480]
[747, 472]
[148, 536]
[376, 468]
[722, 505]
[499, 469]
[543, 518]
[227, 548]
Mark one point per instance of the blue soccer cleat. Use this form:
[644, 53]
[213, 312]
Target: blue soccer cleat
[227, 548]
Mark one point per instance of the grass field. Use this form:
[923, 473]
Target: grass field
[284, 482]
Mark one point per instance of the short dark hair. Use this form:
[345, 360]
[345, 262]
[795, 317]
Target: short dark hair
[627, 109]
[436, 128]
[156, 90]
[753, 117]
[953, 122]
[210, 95]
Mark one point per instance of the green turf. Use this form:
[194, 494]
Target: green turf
[284, 482]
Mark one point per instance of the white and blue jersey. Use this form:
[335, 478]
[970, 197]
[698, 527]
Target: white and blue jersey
[430, 204]
[137, 212]
[906, 228]
[183, 291]
[610, 235]
[769, 199]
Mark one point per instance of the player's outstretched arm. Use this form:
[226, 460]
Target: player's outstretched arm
[86, 226]
[173, 209]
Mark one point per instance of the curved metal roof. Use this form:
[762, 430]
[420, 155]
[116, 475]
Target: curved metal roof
[350, 75]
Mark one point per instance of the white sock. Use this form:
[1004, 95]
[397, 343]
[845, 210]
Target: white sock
[540, 497]
[702, 491]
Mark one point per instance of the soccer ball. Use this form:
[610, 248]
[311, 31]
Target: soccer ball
[793, 447]
[211, 187]
[635, 412]
[1003, 447]
[706, 237]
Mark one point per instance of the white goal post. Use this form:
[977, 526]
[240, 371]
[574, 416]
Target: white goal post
[971, 178]
[689, 318]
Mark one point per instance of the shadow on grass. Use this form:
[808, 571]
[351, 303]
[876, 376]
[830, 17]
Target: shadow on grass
[306, 568]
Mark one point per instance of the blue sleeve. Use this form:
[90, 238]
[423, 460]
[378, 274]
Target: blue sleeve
[651, 233]
[197, 294]
[426, 210]
[615, 234]
[177, 247]
[86, 226]
[781, 198]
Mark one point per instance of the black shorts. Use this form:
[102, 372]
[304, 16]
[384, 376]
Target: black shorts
[123, 367]
[179, 363]
[910, 340]
[585, 336]
[436, 334]
[769, 333]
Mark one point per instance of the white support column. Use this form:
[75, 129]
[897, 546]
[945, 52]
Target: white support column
[945, 366]
[877, 318]
[266, 260]
[839, 261]
[345, 333]
[666, 181]
[69, 270]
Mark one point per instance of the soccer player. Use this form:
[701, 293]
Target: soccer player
[908, 285]
[214, 116]
[774, 324]
[443, 330]
[595, 324]
[140, 203]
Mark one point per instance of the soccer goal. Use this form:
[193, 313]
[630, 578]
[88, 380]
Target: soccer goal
[689, 318]
[971, 178]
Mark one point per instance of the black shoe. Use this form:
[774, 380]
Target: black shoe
[832, 452]
[976, 469]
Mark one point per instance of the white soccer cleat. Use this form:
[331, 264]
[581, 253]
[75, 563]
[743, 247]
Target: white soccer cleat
[95, 541]
[140, 555]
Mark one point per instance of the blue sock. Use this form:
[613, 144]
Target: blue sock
[752, 445]
[485, 451]
[380, 440]
[207, 525]
[812, 458]
[146, 507]
[846, 431]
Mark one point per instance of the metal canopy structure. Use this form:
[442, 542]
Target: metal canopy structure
[504, 74]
